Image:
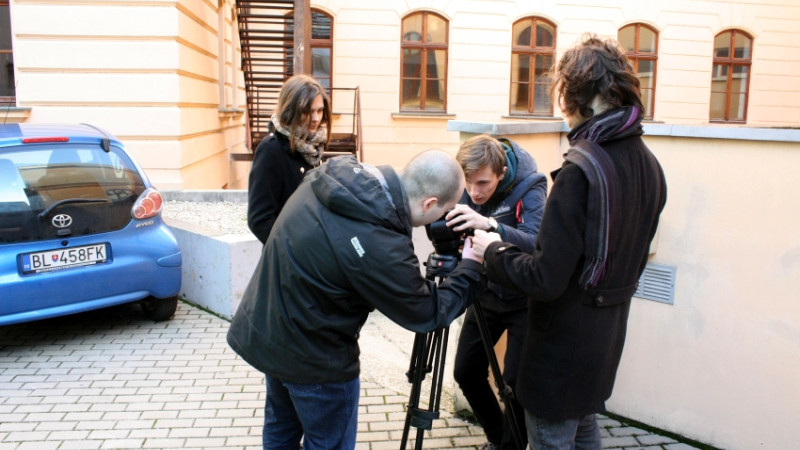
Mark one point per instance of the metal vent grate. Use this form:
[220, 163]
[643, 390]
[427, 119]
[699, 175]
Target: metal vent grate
[657, 283]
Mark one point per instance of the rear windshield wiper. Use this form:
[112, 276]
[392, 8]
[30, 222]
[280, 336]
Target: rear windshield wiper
[55, 205]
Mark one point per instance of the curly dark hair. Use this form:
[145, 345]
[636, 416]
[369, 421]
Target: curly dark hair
[595, 66]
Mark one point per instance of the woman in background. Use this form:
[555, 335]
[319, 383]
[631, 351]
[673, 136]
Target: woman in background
[299, 133]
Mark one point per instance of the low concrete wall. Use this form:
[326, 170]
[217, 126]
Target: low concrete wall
[216, 266]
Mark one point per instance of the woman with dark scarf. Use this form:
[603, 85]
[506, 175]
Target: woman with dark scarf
[299, 133]
[592, 246]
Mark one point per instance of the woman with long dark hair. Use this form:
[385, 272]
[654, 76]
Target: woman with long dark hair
[300, 130]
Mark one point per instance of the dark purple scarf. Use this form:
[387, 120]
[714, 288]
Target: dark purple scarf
[603, 212]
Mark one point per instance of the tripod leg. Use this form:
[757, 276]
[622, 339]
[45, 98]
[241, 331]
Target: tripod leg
[415, 374]
[428, 356]
[506, 394]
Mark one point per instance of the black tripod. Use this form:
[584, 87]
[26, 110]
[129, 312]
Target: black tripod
[428, 356]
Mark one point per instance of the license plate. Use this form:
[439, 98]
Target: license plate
[64, 258]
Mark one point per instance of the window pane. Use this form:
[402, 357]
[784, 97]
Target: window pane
[519, 98]
[434, 97]
[412, 63]
[719, 75]
[437, 30]
[646, 72]
[320, 25]
[647, 40]
[435, 64]
[6, 75]
[627, 37]
[739, 79]
[722, 44]
[737, 106]
[520, 67]
[544, 35]
[717, 106]
[542, 98]
[541, 94]
[5, 28]
[411, 93]
[647, 101]
[741, 46]
[412, 28]
[521, 34]
[321, 62]
[543, 65]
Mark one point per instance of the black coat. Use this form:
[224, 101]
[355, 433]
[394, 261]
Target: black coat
[340, 249]
[274, 175]
[575, 338]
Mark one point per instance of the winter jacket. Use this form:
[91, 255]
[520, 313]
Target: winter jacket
[274, 175]
[340, 249]
[517, 205]
[575, 337]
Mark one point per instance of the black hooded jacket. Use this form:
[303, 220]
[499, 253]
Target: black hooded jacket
[340, 248]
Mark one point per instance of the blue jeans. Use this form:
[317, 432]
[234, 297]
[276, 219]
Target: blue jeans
[325, 416]
[572, 434]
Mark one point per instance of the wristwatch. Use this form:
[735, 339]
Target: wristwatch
[492, 225]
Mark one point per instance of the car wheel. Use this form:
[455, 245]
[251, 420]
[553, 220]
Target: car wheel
[159, 309]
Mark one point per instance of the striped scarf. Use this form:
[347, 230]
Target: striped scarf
[603, 210]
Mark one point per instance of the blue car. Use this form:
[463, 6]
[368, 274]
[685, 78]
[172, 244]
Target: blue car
[80, 227]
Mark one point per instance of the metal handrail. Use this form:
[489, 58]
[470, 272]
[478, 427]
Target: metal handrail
[356, 124]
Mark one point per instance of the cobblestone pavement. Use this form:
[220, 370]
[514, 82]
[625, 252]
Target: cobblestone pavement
[112, 379]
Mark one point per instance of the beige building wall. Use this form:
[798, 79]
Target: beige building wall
[367, 54]
[721, 364]
[162, 75]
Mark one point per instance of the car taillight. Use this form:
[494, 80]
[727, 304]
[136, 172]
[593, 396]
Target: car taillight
[147, 205]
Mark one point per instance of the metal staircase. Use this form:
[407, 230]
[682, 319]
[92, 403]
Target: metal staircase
[266, 36]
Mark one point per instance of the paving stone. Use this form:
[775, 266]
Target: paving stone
[116, 380]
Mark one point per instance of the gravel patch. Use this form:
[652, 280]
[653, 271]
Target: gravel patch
[226, 217]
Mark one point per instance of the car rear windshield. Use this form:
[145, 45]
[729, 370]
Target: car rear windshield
[95, 188]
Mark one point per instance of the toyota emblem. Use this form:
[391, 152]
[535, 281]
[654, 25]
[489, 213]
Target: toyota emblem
[61, 221]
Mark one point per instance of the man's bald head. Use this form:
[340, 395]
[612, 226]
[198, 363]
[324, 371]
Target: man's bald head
[434, 183]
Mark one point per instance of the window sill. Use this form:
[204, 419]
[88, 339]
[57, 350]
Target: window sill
[532, 117]
[14, 114]
[423, 115]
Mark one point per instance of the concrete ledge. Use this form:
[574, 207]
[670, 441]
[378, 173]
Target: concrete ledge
[216, 265]
[212, 195]
[715, 131]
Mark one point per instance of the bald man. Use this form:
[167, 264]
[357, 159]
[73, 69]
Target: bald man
[341, 248]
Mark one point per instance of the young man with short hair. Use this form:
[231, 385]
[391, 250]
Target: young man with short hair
[505, 194]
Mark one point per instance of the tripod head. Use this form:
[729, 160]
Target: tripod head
[440, 265]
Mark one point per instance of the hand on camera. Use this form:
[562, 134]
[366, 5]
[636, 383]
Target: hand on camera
[468, 251]
[463, 218]
[480, 241]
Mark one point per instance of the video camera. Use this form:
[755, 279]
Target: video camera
[445, 240]
[447, 245]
